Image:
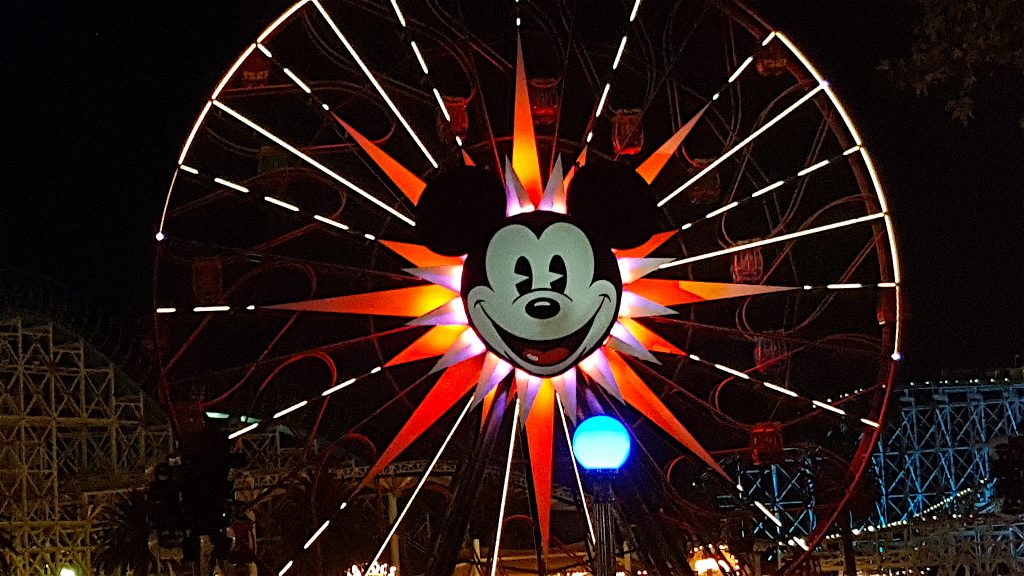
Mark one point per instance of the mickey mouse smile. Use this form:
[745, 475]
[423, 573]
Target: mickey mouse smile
[545, 353]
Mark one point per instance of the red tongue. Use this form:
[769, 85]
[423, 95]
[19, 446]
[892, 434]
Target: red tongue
[551, 357]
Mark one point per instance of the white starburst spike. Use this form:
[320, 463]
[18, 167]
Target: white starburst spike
[565, 387]
[554, 193]
[527, 387]
[596, 367]
[452, 313]
[448, 276]
[467, 346]
[636, 306]
[495, 370]
[624, 341]
[517, 200]
[633, 269]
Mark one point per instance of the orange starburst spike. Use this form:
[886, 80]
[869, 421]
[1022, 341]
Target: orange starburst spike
[581, 161]
[409, 302]
[651, 340]
[435, 342]
[467, 159]
[407, 182]
[675, 292]
[524, 142]
[540, 429]
[453, 384]
[651, 167]
[636, 393]
[421, 256]
[647, 247]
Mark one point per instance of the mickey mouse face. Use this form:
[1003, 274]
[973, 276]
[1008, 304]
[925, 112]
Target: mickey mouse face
[541, 289]
[546, 300]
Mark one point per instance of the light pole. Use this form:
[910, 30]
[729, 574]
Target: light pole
[601, 445]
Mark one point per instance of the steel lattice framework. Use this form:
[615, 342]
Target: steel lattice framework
[938, 442]
[72, 433]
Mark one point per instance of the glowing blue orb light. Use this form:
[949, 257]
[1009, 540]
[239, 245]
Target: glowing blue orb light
[601, 443]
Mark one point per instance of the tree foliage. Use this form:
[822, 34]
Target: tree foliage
[8, 551]
[122, 536]
[959, 48]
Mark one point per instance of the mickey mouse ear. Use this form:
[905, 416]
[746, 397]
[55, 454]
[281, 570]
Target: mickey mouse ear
[613, 203]
[458, 208]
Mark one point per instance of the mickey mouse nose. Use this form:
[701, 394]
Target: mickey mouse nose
[542, 308]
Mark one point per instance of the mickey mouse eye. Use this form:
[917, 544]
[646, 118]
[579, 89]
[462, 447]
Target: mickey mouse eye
[524, 275]
[557, 268]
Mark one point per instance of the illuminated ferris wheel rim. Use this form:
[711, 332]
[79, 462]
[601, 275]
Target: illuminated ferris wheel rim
[821, 87]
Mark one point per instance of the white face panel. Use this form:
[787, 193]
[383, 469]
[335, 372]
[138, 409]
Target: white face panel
[542, 308]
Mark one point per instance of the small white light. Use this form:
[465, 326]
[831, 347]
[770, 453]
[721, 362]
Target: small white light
[330, 222]
[897, 356]
[316, 534]
[851, 150]
[334, 389]
[812, 168]
[189, 169]
[886, 284]
[871, 423]
[843, 286]
[618, 55]
[297, 81]
[291, 409]
[519, 21]
[808, 287]
[740, 70]
[828, 407]
[725, 208]
[604, 98]
[780, 389]
[160, 236]
[768, 513]
[398, 12]
[230, 184]
[695, 358]
[419, 57]
[369, 236]
[286, 568]
[636, 7]
[590, 136]
[767, 189]
[241, 431]
[716, 96]
[250, 307]
[375, 370]
[458, 141]
[736, 373]
[343, 506]
[211, 309]
[281, 203]
[440, 104]
[264, 49]
[768, 39]
[687, 226]
[325, 107]
[166, 310]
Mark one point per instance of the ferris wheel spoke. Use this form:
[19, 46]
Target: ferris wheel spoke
[749, 139]
[306, 158]
[773, 188]
[373, 80]
[775, 239]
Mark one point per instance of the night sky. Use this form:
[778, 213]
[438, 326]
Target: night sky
[99, 96]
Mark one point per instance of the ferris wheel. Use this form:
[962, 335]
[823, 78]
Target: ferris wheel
[453, 230]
